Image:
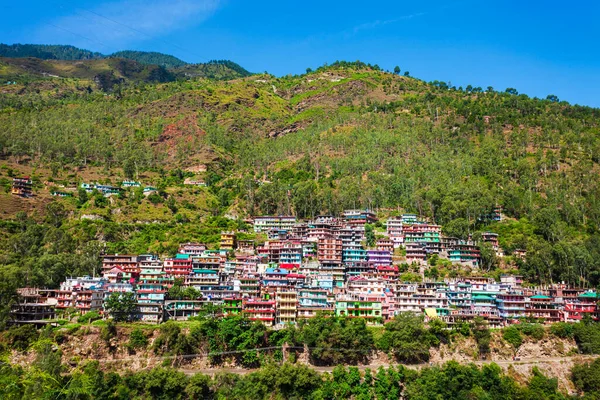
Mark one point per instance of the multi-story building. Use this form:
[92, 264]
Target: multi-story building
[511, 305]
[319, 230]
[465, 253]
[352, 307]
[151, 289]
[22, 187]
[415, 252]
[299, 231]
[385, 245]
[227, 240]
[290, 254]
[484, 305]
[460, 296]
[192, 248]
[31, 307]
[395, 232]
[584, 304]
[427, 234]
[286, 305]
[182, 310]
[259, 310]
[232, 306]
[388, 273]
[543, 308]
[89, 300]
[125, 262]
[245, 246]
[312, 301]
[379, 258]
[359, 217]
[178, 267]
[409, 219]
[266, 223]
[207, 261]
[249, 286]
[329, 251]
[491, 238]
[202, 279]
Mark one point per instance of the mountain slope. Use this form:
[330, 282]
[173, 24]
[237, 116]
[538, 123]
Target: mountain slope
[150, 57]
[47, 52]
[215, 69]
[347, 136]
[105, 72]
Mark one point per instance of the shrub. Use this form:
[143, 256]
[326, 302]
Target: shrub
[512, 335]
[108, 332]
[20, 337]
[535, 331]
[562, 330]
[89, 317]
[137, 339]
[587, 337]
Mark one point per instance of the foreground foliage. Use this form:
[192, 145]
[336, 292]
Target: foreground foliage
[289, 381]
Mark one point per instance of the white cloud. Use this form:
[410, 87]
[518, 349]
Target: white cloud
[378, 23]
[117, 24]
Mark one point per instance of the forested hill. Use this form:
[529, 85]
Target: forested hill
[344, 136]
[47, 52]
[150, 57]
[53, 54]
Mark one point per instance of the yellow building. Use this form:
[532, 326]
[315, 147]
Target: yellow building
[227, 240]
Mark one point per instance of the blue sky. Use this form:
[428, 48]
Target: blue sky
[538, 47]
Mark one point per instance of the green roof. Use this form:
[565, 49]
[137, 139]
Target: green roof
[205, 271]
[182, 256]
[540, 296]
[588, 294]
[482, 297]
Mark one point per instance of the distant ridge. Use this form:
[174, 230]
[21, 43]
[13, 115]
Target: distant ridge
[150, 57]
[47, 52]
[214, 69]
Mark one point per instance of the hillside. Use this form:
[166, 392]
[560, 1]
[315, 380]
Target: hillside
[150, 57]
[105, 73]
[46, 52]
[27, 62]
[344, 136]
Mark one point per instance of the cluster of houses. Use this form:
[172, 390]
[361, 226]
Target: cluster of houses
[23, 187]
[109, 190]
[307, 268]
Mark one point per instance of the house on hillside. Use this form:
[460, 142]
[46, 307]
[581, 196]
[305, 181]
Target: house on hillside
[22, 187]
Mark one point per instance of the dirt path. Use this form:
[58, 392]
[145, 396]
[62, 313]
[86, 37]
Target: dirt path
[523, 362]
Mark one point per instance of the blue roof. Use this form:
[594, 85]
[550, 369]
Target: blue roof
[277, 271]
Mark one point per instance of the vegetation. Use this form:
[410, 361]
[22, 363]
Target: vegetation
[289, 381]
[46, 52]
[345, 136]
[150, 57]
[121, 306]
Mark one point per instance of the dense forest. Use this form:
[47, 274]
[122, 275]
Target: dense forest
[347, 135]
[46, 52]
[150, 57]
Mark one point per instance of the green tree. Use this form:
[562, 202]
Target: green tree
[370, 235]
[407, 339]
[121, 306]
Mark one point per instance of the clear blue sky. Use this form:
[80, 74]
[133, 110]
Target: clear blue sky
[538, 47]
